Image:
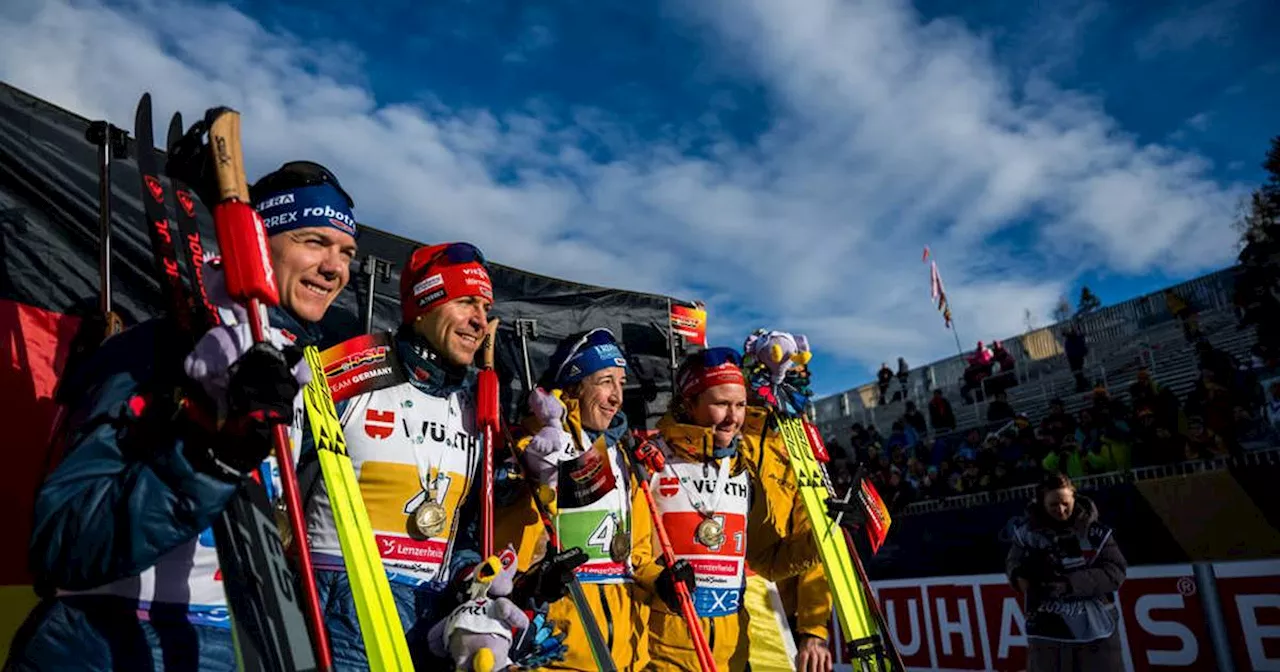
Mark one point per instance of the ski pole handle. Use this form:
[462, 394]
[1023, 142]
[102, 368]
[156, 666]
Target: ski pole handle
[242, 238]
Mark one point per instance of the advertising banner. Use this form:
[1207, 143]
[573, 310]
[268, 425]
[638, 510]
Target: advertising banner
[1167, 614]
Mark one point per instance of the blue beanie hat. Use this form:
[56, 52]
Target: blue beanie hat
[301, 207]
[302, 194]
[580, 356]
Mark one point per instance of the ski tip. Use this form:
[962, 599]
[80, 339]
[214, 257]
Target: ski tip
[176, 131]
[142, 117]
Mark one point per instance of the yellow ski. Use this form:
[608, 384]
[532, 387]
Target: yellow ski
[384, 637]
[856, 619]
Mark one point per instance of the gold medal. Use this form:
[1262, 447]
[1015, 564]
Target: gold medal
[430, 518]
[710, 533]
[620, 547]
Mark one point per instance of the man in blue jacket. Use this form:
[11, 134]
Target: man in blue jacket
[121, 547]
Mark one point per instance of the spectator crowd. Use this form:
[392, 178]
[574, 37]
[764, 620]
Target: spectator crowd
[924, 457]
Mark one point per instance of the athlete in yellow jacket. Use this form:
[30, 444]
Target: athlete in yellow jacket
[602, 512]
[719, 513]
[806, 598]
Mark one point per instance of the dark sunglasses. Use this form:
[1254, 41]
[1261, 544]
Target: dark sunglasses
[297, 174]
[717, 356]
[458, 253]
[599, 336]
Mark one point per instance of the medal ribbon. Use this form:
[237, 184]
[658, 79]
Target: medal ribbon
[706, 507]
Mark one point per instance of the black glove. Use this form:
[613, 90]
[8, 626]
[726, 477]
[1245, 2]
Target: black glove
[260, 393]
[548, 579]
[681, 571]
[855, 515]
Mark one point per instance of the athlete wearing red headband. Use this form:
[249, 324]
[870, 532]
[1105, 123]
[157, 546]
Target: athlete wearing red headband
[717, 512]
[407, 410]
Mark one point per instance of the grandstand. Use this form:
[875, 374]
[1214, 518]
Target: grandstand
[1122, 339]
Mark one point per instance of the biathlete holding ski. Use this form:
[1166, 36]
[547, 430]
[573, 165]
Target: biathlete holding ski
[122, 548]
[719, 514]
[594, 502]
[412, 437]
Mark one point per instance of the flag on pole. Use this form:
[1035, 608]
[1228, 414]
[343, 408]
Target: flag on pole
[937, 292]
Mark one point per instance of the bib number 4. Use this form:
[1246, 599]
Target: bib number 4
[600, 538]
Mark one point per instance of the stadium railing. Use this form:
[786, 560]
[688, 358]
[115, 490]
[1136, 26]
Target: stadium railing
[1255, 458]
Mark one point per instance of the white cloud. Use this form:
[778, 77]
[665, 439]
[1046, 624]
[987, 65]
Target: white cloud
[891, 134]
[1200, 122]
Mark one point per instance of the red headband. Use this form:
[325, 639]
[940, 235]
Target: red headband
[698, 379]
[432, 279]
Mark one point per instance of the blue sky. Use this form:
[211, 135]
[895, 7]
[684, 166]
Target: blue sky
[785, 162]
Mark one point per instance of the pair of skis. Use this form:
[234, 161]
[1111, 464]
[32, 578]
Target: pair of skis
[865, 630]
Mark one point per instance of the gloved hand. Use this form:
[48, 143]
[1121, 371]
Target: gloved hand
[508, 481]
[1052, 590]
[539, 644]
[796, 384]
[258, 393]
[851, 514]
[548, 579]
[650, 456]
[209, 363]
[679, 572]
[1039, 568]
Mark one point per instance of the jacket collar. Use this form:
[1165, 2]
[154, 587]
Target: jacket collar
[301, 333]
[696, 442]
[427, 369]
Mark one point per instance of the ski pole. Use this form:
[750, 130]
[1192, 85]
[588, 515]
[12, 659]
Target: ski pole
[110, 141]
[374, 270]
[250, 280]
[488, 401]
[705, 660]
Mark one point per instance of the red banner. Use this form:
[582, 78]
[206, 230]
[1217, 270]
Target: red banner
[690, 323]
[878, 519]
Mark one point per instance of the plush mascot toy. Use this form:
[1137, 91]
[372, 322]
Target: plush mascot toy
[477, 635]
[551, 445]
[777, 365]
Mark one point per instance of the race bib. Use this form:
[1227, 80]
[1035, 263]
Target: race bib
[718, 570]
[593, 531]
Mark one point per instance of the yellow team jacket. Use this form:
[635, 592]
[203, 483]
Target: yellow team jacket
[779, 545]
[621, 610]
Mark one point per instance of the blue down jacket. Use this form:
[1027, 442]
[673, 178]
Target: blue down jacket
[121, 530]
